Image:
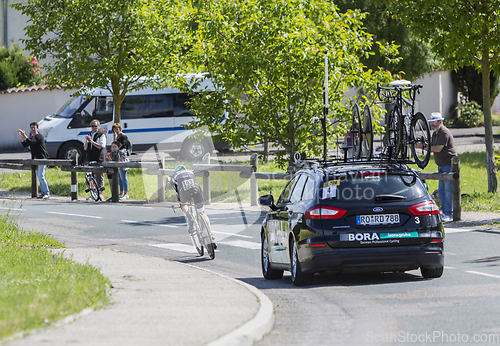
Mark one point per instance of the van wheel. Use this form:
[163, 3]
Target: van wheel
[194, 149]
[67, 148]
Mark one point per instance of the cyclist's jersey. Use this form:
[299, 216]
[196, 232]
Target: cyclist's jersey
[185, 184]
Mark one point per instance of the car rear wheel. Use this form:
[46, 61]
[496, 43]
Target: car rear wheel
[298, 277]
[431, 273]
[268, 272]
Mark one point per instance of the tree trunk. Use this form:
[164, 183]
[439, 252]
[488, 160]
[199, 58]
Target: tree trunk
[117, 98]
[488, 128]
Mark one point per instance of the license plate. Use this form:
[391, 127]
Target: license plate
[379, 219]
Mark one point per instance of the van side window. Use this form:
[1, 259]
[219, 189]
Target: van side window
[103, 110]
[147, 106]
[181, 105]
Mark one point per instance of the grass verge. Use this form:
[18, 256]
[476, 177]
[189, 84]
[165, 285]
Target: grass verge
[37, 287]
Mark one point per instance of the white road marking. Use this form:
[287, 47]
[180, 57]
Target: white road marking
[446, 267]
[232, 234]
[483, 274]
[149, 223]
[15, 209]
[176, 247]
[458, 230]
[79, 215]
[242, 243]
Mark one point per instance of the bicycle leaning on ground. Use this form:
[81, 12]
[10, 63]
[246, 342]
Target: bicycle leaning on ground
[404, 131]
[201, 237]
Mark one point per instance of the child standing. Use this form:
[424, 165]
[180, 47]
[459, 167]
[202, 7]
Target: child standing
[122, 174]
[113, 155]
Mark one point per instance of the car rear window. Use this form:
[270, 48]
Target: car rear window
[371, 187]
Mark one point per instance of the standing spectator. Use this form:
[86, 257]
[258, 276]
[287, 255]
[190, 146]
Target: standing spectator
[443, 147]
[36, 142]
[95, 148]
[124, 145]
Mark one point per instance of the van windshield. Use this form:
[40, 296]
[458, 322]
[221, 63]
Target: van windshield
[70, 107]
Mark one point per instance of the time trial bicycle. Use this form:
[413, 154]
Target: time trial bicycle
[201, 237]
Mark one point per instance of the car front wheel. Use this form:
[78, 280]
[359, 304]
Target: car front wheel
[268, 272]
[298, 277]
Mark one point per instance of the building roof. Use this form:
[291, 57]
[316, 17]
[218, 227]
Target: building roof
[29, 89]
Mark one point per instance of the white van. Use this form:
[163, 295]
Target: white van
[148, 117]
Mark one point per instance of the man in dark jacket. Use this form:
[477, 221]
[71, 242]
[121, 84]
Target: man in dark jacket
[95, 147]
[36, 142]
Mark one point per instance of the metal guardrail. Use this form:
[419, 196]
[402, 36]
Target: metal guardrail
[200, 170]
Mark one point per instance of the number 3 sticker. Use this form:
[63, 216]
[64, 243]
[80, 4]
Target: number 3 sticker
[417, 220]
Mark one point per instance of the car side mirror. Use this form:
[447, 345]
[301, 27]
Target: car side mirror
[268, 201]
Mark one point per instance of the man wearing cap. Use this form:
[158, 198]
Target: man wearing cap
[443, 147]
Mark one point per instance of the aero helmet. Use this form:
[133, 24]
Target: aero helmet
[180, 168]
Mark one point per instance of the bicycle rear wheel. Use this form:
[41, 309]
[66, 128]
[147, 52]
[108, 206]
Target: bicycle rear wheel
[93, 189]
[420, 133]
[195, 232]
[356, 132]
[366, 135]
[392, 132]
[206, 237]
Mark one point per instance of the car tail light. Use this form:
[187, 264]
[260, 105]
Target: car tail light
[323, 212]
[424, 208]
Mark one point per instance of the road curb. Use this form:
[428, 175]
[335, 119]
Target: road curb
[253, 330]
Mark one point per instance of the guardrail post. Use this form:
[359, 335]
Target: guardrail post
[34, 185]
[254, 187]
[161, 178]
[457, 199]
[207, 187]
[74, 179]
[114, 188]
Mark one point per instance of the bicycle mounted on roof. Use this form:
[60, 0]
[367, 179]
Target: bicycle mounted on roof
[407, 134]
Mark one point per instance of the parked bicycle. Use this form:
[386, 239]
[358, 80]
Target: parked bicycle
[201, 237]
[404, 130]
[93, 188]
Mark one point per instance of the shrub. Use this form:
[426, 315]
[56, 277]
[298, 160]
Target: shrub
[470, 114]
[16, 70]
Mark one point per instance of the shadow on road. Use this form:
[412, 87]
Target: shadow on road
[328, 279]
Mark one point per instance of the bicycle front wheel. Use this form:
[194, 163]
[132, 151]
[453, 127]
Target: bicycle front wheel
[93, 189]
[420, 137]
[206, 237]
[367, 135]
[356, 132]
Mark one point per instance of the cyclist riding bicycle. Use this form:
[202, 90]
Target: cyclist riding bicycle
[185, 184]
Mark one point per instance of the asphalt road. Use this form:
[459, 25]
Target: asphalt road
[398, 308]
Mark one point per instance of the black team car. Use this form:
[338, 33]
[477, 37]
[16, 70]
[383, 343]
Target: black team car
[351, 217]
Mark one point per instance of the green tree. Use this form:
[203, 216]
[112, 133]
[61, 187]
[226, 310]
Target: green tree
[469, 84]
[16, 70]
[104, 43]
[267, 57]
[462, 32]
[416, 55]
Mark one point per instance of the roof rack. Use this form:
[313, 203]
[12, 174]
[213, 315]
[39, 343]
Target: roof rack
[301, 162]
